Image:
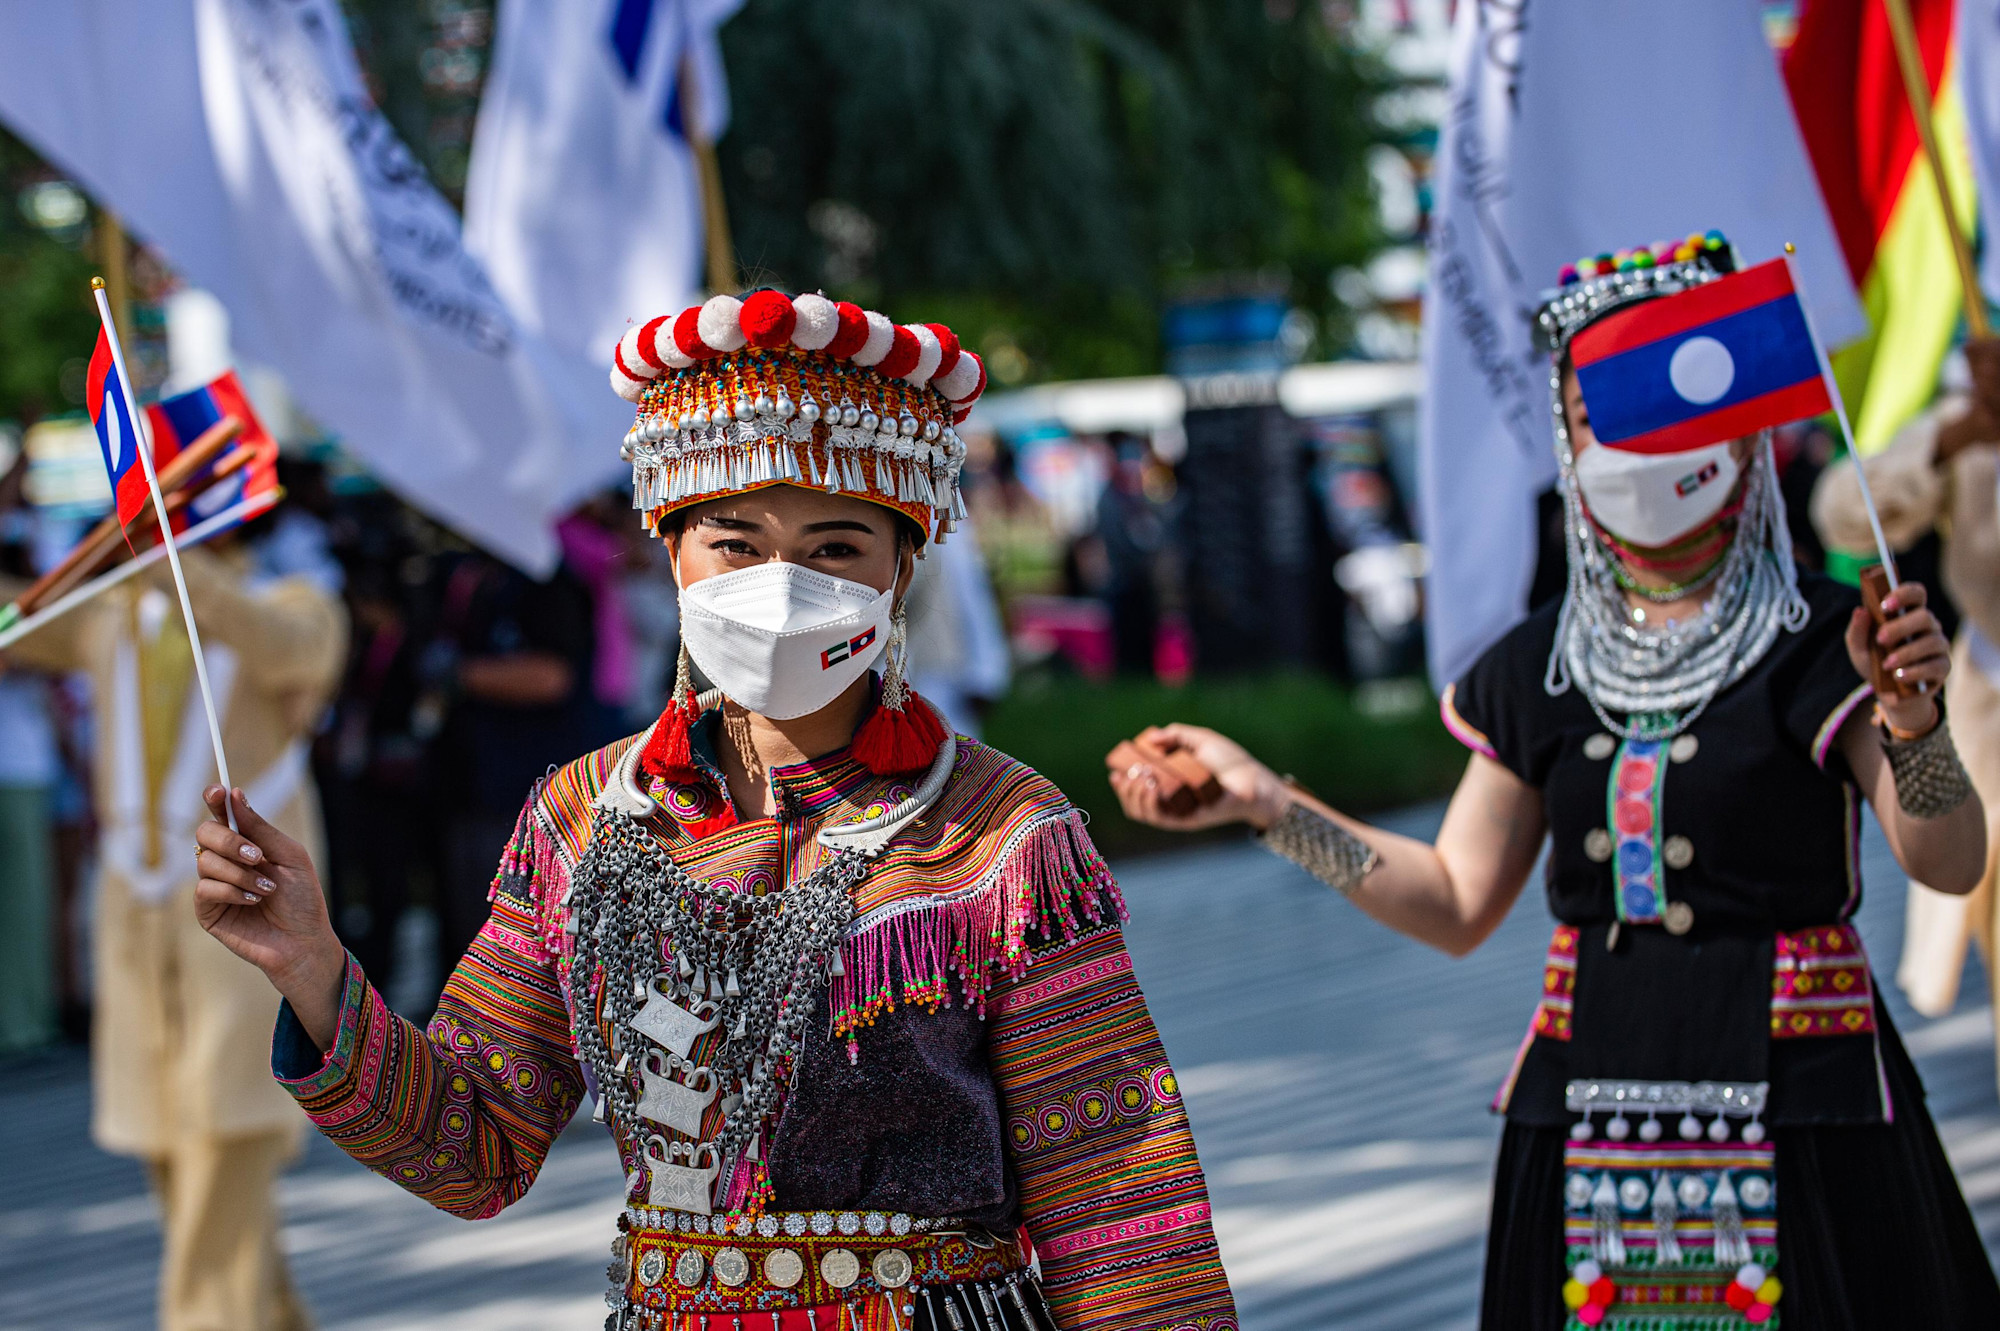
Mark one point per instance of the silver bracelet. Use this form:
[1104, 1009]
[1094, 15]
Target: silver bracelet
[1930, 780]
[1320, 846]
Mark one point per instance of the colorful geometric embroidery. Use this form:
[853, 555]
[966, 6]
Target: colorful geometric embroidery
[1552, 1015]
[1096, 1128]
[1153, 1091]
[1635, 801]
[1749, 1168]
[1820, 984]
[1641, 1223]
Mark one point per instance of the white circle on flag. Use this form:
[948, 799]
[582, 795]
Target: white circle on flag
[115, 437]
[1702, 370]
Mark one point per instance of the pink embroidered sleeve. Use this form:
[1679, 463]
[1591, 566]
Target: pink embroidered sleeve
[462, 1114]
[1111, 1190]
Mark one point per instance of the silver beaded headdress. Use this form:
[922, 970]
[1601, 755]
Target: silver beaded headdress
[770, 389]
[1661, 678]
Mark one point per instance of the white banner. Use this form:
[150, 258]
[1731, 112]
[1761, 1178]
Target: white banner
[583, 197]
[238, 137]
[1978, 34]
[1568, 134]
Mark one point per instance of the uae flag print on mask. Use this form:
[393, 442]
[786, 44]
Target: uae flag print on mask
[1707, 365]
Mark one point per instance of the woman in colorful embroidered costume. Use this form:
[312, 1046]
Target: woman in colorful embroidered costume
[848, 990]
[1711, 1123]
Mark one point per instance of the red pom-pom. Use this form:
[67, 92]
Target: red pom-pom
[1738, 1297]
[667, 753]
[768, 318]
[896, 740]
[624, 367]
[1602, 1291]
[947, 349]
[904, 352]
[647, 351]
[853, 334]
[688, 338]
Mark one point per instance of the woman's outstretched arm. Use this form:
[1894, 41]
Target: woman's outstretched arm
[461, 1114]
[1450, 895]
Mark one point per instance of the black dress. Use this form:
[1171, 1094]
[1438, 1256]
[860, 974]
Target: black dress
[1709, 1013]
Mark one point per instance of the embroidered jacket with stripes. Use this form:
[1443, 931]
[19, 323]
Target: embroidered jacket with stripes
[1004, 1067]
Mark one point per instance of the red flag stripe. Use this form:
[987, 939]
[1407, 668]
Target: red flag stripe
[1791, 403]
[101, 369]
[1847, 93]
[1653, 320]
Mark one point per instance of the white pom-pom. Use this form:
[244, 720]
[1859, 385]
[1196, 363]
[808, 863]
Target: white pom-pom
[881, 336]
[929, 352]
[818, 321]
[662, 345]
[720, 323]
[629, 360]
[961, 379]
[625, 386]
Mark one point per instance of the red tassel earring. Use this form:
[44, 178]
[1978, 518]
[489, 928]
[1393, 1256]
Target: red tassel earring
[668, 754]
[902, 734]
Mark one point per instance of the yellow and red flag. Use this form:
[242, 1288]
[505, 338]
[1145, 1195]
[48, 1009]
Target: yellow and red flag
[1847, 91]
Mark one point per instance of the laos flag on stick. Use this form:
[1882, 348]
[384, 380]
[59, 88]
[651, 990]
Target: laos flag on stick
[117, 432]
[1709, 364]
[244, 477]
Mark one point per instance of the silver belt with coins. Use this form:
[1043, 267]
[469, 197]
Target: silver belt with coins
[817, 1271]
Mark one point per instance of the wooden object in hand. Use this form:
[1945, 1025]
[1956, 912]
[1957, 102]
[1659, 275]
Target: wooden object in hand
[1874, 589]
[1185, 785]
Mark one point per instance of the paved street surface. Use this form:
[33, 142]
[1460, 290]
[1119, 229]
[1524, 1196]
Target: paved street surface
[1337, 1076]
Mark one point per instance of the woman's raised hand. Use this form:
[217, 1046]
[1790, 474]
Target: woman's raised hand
[1251, 792]
[1916, 652]
[259, 896]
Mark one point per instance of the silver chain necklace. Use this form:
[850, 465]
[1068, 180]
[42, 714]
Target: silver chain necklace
[1663, 679]
[668, 956]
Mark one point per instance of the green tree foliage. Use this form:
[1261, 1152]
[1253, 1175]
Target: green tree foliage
[1043, 173]
[46, 317]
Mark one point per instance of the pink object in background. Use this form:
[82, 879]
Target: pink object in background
[1173, 651]
[595, 556]
[1076, 628]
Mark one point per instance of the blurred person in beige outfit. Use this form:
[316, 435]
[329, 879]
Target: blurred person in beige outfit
[1941, 472]
[180, 1051]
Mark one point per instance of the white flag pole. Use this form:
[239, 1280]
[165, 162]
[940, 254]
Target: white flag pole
[143, 441]
[1846, 430]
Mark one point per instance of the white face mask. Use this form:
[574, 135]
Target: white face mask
[781, 639]
[1654, 499]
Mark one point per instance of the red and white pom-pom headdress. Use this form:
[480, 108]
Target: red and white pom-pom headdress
[737, 394]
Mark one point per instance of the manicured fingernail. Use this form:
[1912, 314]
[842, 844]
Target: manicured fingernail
[252, 897]
[266, 885]
[1899, 672]
[250, 853]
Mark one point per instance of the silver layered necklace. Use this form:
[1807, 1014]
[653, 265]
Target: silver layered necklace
[1662, 677]
[680, 957]
[663, 958]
